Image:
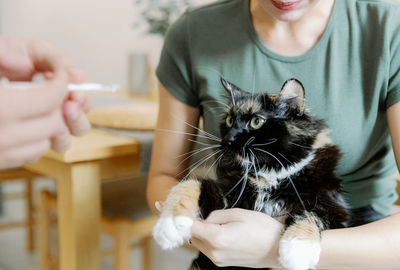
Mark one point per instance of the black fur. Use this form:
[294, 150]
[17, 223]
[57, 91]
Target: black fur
[289, 133]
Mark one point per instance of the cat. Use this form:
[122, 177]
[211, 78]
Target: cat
[277, 159]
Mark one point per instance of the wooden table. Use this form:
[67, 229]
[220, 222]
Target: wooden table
[78, 172]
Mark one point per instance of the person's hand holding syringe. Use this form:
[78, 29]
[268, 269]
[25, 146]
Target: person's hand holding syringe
[45, 114]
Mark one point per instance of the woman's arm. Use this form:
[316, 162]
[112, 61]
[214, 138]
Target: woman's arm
[372, 246]
[169, 145]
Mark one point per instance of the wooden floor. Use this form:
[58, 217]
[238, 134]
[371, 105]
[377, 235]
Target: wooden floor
[13, 255]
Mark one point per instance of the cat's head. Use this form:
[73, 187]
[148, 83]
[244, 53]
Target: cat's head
[270, 131]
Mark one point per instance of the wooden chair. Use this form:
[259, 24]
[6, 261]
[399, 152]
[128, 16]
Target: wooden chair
[125, 216]
[20, 174]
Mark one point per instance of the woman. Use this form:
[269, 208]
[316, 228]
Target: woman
[347, 54]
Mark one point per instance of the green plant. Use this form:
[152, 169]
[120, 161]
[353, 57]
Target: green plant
[158, 15]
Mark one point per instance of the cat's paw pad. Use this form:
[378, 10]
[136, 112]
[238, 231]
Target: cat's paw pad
[297, 254]
[172, 231]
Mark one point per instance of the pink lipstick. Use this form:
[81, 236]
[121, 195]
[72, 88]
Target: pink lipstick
[285, 5]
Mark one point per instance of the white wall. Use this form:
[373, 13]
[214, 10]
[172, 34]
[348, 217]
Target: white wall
[97, 34]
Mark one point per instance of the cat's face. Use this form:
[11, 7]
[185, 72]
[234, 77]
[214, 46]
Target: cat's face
[269, 131]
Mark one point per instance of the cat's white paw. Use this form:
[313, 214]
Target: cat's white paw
[298, 254]
[172, 231]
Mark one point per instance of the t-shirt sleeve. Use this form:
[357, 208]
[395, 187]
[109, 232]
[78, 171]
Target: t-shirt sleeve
[393, 94]
[174, 69]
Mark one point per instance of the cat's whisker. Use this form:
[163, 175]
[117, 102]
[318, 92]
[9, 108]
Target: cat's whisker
[215, 162]
[224, 105]
[233, 188]
[243, 186]
[197, 162]
[207, 146]
[254, 164]
[202, 143]
[249, 141]
[268, 153]
[255, 157]
[187, 133]
[262, 144]
[297, 193]
[205, 133]
[218, 109]
[244, 147]
[285, 158]
[195, 153]
[193, 167]
[291, 181]
[299, 145]
[197, 150]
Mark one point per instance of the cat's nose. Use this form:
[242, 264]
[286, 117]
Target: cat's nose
[229, 139]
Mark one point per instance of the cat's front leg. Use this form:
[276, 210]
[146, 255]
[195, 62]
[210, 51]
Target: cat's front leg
[173, 228]
[300, 244]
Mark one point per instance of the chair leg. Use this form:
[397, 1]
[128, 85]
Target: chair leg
[44, 230]
[29, 215]
[122, 247]
[147, 253]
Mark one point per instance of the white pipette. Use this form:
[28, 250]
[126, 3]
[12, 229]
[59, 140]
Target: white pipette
[71, 86]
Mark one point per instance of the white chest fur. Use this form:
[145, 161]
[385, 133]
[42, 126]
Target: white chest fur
[273, 208]
[266, 180]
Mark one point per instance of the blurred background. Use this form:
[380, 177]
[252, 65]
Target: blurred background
[115, 41]
[99, 35]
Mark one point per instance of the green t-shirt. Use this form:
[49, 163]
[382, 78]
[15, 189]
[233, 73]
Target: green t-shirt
[350, 77]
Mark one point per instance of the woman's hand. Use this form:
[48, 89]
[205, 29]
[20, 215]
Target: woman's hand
[238, 237]
[43, 117]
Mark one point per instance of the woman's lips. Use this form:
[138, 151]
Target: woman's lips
[285, 6]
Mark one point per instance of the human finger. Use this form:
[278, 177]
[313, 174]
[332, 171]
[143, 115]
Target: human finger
[204, 230]
[15, 63]
[199, 244]
[82, 98]
[76, 119]
[33, 102]
[61, 142]
[39, 129]
[227, 216]
[45, 57]
[18, 156]
[76, 75]
[215, 254]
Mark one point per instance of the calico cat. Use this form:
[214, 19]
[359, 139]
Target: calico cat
[277, 159]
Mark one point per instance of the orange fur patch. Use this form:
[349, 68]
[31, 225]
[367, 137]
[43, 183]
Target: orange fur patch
[183, 199]
[307, 227]
[322, 140]
[248, 106]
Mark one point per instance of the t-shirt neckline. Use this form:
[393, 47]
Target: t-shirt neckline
[321, 43]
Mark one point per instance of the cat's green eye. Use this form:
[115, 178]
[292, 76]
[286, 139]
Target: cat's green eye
[229, 121]
[257, 122]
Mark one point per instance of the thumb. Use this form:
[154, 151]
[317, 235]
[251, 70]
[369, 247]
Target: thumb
[227, 216]
[204, 230]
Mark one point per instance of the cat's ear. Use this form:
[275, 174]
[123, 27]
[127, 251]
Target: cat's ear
[232, 89]
[293, 94]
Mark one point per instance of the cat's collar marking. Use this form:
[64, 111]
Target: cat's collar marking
[273, 177]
